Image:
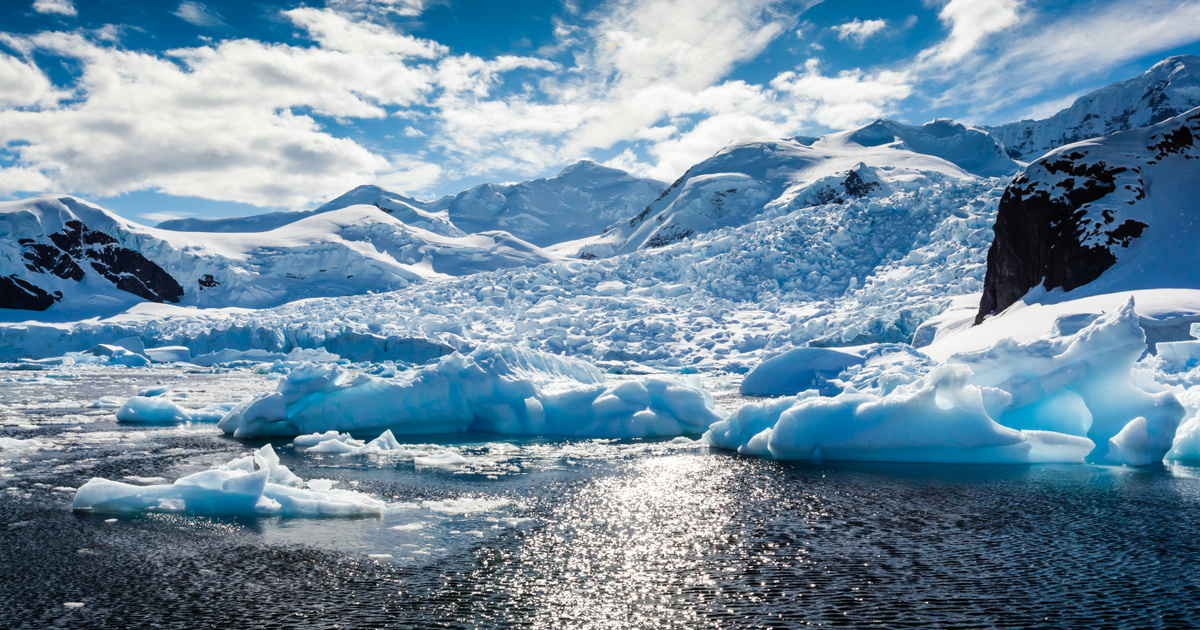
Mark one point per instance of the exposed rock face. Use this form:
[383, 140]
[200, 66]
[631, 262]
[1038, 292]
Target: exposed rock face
[76, 244]
[1076, 212]
[19, 294]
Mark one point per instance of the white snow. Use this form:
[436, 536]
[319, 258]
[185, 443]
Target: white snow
[255, 484]
[1171, 87]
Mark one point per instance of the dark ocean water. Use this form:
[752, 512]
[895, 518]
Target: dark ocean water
[593, 534]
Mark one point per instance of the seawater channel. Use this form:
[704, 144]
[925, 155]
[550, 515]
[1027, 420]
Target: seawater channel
[576, 534]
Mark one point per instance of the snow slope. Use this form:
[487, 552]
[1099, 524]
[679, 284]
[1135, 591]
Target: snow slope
[100, 262]
[1169, 88]
[408, 210]
[760, 179]
[1100, 216]
[578, 202]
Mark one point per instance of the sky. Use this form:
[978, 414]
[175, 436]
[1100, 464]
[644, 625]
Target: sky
[160, 110]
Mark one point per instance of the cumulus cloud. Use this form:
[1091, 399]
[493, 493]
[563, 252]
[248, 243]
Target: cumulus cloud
[402, 8]
[858, 31]
[846, 99]
[1081, 44]
[24, 84]
[970, 23]
[198, 14]
[638, 64]
[231, 122]
[60, 7]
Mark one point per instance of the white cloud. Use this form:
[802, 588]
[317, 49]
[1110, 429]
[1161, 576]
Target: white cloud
[858, 31]
[159, 217]
[638, 64]
[24, 84]
[20, 179]
[226, 122]
[60, 7]
[851, 97]
[402, 8]
[970, 22]
[199, 14]
[1084, 43]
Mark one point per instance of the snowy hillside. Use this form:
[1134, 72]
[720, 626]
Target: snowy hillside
[759, 179]
[578, 202]
[1168, 89]
[1100, 216]
[79, 258]
[411, 211]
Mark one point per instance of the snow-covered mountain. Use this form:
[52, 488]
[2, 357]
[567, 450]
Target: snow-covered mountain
[758, 179]
[411, 211]
[578, 202]
[1099, 216]
[62, 250]
[1169, 88]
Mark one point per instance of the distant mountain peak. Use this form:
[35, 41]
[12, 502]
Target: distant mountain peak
[1169, 88]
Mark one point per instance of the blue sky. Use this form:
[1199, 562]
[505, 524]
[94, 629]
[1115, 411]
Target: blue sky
[161, 109]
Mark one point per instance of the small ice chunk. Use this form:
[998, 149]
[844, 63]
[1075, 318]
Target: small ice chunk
[155, 410]
[255, 484]
[443, 459]
[106, 402]
[17, 444]
[465, 505]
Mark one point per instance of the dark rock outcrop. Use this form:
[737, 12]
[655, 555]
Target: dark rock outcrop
[1065, 220]
[126, 268]
[16, 293]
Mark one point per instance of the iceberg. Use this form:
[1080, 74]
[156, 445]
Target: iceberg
[1067, 396]
[942, 419]
[253, 485]
[495, 389]
[161, 410]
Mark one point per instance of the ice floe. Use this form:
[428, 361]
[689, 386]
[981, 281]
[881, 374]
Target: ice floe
[255, 484]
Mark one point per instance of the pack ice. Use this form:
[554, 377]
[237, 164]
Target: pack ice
[256, 484]
[495, 389]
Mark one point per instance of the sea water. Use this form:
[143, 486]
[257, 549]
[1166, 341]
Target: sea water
[576, 534]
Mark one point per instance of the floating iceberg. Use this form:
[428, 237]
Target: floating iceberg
[342, 444]
[496, 389]
[17, 444]
[942, 419]
[1058, 398]
[159, 409]
[1081, 384]
[255, 484]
